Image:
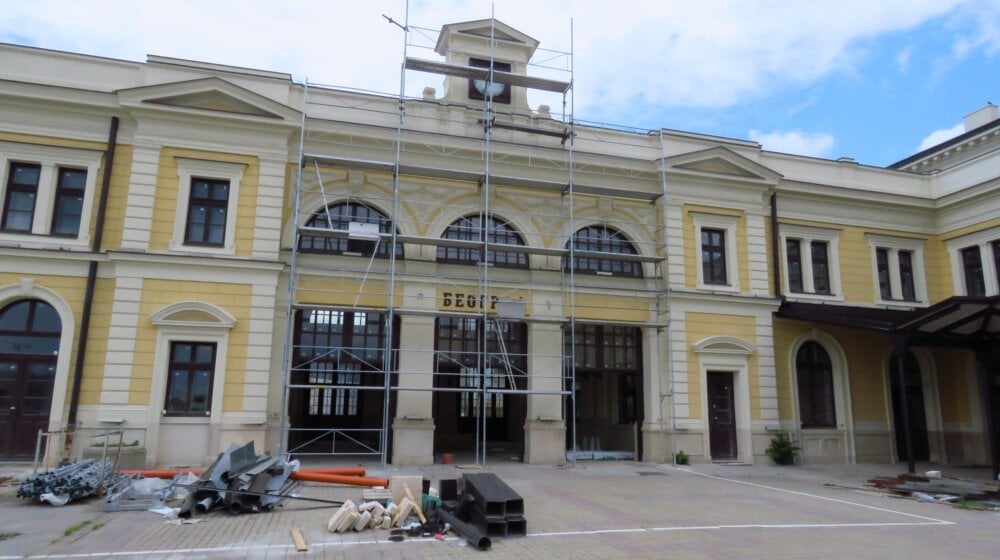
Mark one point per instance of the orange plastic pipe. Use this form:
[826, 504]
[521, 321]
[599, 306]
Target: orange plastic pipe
[170, 473]
[339, 479]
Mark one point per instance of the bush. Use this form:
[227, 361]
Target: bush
[681, 458]
[782, 451]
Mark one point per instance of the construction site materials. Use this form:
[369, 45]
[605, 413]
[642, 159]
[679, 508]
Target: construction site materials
[72, 482]
[471, 533]
[170, 473]
[339, 479]
[496, 508]
[942, 489]
[299, 540]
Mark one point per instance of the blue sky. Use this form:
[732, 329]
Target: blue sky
[868, 79]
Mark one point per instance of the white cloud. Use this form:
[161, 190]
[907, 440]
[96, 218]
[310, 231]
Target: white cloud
[938, 136]
[653, 53]
[815, 144]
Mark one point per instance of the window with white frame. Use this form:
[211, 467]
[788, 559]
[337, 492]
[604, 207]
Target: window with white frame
[207, 196]
[975, 263]
[47, 191]
[898, 263]
[812, 263]
[715, 240]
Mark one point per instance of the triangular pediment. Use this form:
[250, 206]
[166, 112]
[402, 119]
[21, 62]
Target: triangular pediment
[212, 95]
[485, 29]
[214, 101]
[724, 163]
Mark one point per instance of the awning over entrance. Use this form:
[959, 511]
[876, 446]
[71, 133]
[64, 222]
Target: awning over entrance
[970, 322]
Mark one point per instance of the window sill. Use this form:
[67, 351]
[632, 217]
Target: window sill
[719, 288]
[805, 296]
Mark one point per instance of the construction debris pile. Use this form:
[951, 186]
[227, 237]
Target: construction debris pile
[71, 482]
[485, 507]
[932, 487]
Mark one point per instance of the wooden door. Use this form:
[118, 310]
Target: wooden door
[25, 399]
[721, 415]
[916, 410]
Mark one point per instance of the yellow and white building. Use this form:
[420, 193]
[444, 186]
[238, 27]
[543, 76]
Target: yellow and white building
[198, 254]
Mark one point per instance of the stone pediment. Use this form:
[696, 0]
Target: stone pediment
[484, 29]
[724, 163]
[208, 94]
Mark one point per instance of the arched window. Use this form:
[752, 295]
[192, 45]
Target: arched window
[470, 228]
[29, 344]
[604, 240]
[339, 217]
[814, 372]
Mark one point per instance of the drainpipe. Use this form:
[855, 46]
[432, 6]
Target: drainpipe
[775, 236]
[81, 351]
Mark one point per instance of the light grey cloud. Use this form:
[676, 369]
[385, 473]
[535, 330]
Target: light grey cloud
[815, 144]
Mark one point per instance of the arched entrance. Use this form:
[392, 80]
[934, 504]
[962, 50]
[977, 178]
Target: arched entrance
[916, 407]
[29, 349]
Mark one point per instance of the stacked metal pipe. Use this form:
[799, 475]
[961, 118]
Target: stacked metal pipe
[71, 482]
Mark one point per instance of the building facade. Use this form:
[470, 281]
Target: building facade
[197, 255]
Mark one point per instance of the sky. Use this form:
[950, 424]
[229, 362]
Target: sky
[874, 80]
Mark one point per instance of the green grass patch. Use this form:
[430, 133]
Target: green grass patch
[74, 528]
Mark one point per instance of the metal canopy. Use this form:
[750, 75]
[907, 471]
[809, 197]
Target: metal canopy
[484, 74]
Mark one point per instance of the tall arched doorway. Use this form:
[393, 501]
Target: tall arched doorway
[29, 349]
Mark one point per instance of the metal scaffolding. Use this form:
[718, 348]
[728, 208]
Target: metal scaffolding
[348, 131]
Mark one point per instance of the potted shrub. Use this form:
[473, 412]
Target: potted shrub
[782, 451]
[681, 458]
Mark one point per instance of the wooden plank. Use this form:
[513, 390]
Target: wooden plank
[416, 505]
[299, 540]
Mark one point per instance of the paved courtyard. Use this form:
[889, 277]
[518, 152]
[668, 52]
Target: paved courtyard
[594, 510]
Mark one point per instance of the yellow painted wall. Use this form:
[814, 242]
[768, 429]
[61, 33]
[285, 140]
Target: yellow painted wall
[866, 353]
[953, 383]
[609, 307]
[157, 294]
[691, 245]
[165, 203]
[857, 278]
[704, 325]
[97, 342]
[114, 217]
[345, 291]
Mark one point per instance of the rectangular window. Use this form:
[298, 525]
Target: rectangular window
[189, 379]
[22, 191]
[793, 250]
[820, 267]
[906, 282]
[882, 263]
[68, 205]
[713, 256]
[972, 266]
[207, 209]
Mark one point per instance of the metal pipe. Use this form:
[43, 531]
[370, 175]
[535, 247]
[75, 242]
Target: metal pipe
[204, 505]
[775, 236]
[469, 532]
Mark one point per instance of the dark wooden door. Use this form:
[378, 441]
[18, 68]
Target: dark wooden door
[915, 407]
[25, 399]
[721, 415]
